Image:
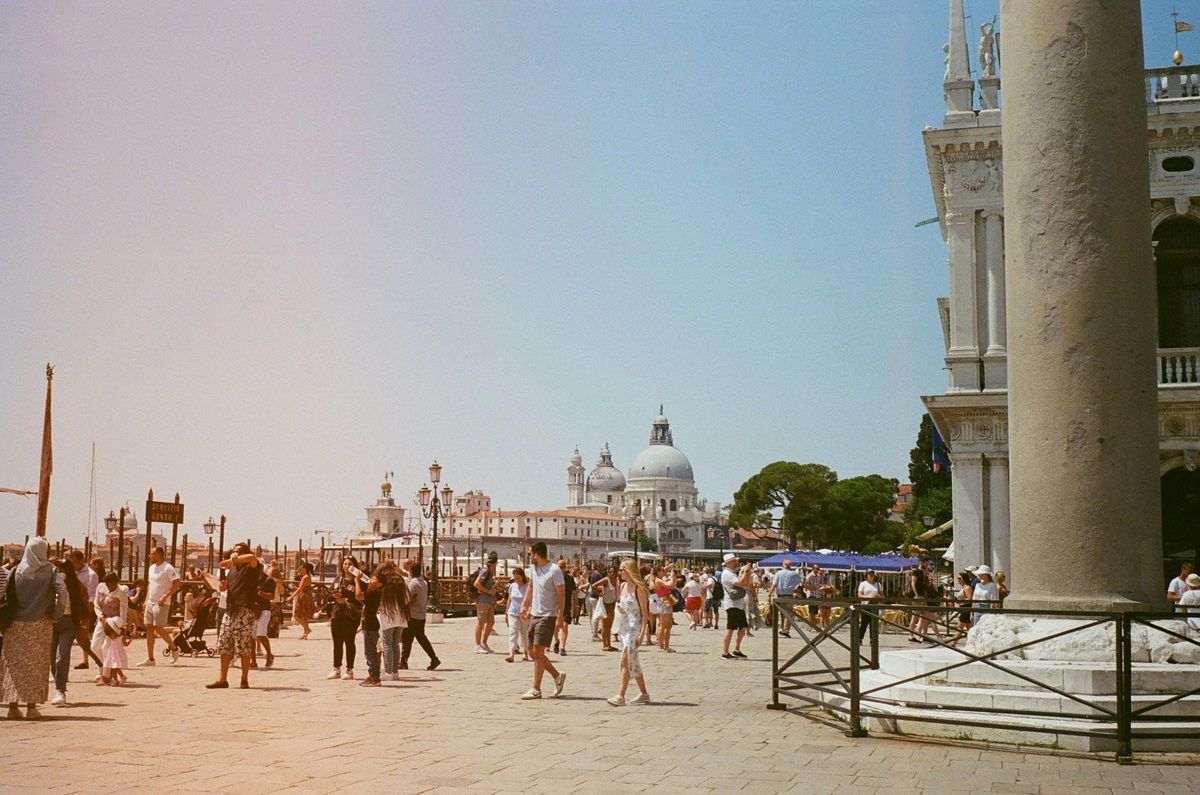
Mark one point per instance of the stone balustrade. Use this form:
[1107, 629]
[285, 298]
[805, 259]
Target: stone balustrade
[1179, 366]
[1172, 83]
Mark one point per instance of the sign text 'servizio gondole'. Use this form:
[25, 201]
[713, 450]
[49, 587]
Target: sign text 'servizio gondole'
[164, 512]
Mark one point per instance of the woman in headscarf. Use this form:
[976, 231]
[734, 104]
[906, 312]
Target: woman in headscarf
[25, 657]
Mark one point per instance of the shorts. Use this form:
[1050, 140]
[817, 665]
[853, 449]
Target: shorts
[735, 618]
[657, 608]
[236, 638]
[541, 630]
[262, 623]
[693, 602]
[485, 612]
[157, 615]
[711, 603]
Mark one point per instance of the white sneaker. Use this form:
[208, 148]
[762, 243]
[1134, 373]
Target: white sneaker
[336, 673]
[173, 654]
[349, 674]
[529, 695]
[480, 650]
[487, 649]
[558, 684]
[59, 700]
[146, 664]
[616, 701]
[641, 698]
[396, 677]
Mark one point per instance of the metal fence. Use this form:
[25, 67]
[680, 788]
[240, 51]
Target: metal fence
[819, 674]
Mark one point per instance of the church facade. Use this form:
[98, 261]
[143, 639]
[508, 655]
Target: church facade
[966, 168]
[660, 489]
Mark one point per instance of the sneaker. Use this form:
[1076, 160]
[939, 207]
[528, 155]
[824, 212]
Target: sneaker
[488, 649]
[433, 665]
[531, 694]
[173, 654]
[616, 701]
[563, 652]
[59, 700]
[396, 677]
[728, 656]
[480, 650]
[82, 666]
[641, 698]
[336, 673]
[369, 682]
[146, 664]
[349, 674]
[739, 655]
[558, 684]
[556, 647]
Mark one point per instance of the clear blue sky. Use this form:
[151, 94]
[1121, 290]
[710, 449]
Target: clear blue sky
[277, 249]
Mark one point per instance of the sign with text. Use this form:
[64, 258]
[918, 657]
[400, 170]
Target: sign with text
[164, 512]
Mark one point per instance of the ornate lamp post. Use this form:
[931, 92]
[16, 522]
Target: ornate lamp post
[639, 526]
[210, 527]
[433, 508]
[112, 522]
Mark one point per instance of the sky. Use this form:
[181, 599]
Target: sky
[275, 250]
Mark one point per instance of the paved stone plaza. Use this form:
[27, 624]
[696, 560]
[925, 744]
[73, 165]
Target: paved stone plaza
[463, 728]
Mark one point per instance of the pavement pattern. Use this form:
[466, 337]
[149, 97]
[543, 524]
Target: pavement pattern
[463, 728]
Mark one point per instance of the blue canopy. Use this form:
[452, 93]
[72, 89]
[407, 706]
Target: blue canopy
[841, 561]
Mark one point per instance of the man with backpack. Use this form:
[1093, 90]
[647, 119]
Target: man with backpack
[483, 586]
[716, 595]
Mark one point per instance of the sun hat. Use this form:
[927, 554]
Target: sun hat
[984, 569]
[729, 556]
[1193, 580]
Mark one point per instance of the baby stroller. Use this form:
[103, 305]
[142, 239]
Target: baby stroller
[190, 640]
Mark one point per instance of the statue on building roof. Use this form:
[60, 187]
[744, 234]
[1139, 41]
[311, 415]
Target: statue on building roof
[987, 49]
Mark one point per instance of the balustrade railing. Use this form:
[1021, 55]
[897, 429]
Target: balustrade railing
[1173, 82]
[1178, 366]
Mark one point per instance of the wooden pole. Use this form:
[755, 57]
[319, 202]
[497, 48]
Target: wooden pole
[221, 546]
[183, 564]
[321, 560]
[47, 461]
[149, 524]
[174, 532]
[210, 554]
[120, 544]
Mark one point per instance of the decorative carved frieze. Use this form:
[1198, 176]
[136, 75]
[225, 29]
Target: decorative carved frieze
[973, 172]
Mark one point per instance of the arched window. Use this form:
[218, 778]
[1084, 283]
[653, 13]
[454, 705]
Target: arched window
[1177, 258]
[674, 505]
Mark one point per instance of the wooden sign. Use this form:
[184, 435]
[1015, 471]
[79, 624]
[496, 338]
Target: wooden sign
[164, 512]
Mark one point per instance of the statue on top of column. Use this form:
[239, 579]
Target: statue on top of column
[987, 49]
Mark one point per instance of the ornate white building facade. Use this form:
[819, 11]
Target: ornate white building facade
[966, 169]
[660, 488]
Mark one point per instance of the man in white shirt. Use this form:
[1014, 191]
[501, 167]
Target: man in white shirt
[163, 583]
[543, 606]
[1178, 586]
[735, 583]
[868, 591]
[1189, 603]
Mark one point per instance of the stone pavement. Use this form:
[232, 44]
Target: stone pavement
[463, 728]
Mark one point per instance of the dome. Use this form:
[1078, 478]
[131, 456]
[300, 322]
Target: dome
[605, 477]
[661, 461]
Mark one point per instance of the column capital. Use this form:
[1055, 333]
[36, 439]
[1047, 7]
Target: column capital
[988, 215]
[956, 217]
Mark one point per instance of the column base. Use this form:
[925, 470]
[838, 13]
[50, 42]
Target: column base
[1101, 602]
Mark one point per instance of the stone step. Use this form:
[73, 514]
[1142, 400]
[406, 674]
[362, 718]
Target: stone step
[918, 693]
[1082, 678]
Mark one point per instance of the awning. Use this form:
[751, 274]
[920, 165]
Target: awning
[937, 531]
[949, 553]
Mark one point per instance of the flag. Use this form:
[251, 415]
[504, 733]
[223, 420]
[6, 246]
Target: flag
[940, 460]
[47, 461]
[1183, 27]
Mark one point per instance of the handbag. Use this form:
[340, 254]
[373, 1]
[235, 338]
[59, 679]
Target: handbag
[735, 593]
[9, 603]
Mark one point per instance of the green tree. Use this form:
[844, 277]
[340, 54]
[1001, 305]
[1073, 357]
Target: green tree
[931, 490]
[645, 542]
[856, 511]
[783, 496]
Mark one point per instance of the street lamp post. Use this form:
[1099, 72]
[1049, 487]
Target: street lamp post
[112, 522]
[639, 525]
[210, 527]
[434, 508]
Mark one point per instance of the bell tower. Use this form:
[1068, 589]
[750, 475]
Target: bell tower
[575, 476]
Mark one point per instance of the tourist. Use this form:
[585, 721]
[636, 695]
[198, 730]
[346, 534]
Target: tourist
[137, 601]
[753, 616]
[89, 579]
[1189, 602]
[592, 596]
[164, 582]
[606, 589]
[985, 595]
[663, 583]
[923, 593]
[392, 614]
[264, 599]
[26, 653]
[483, 589]
[68, 628]
[734, 586]
[1001, 587]
[869, 590]
[418, 592]
[544, 607]
[963, 599]
[112, 609]
[581, 592]
[560, 633]
[784, 587]
[236, 636]
[344, 621]
[715, 596]
[303, 605]
[634, 603]
[370, 597]
[518, 627]
[693, 600]
[816, 586]
[1178, 586]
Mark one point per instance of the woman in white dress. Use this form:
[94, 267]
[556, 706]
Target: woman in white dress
[632, 606]
[112, 610]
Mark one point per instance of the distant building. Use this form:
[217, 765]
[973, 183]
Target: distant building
[904, 496]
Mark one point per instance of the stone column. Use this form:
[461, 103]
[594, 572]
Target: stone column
[995, 358]
[966, 490]
[999, 546]
[1084, 497]
[963, 356]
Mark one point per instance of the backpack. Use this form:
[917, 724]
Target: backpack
[678, 606]
[9, 603]
[718, 590]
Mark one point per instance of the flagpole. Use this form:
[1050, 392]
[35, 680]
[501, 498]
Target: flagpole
[47, 461]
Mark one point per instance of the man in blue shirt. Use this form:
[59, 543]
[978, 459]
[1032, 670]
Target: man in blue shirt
[786, 581]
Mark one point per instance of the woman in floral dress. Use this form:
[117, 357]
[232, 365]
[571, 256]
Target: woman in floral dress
[25, 656]
[633, 604]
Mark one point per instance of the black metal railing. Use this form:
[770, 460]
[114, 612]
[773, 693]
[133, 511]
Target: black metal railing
[825, 672]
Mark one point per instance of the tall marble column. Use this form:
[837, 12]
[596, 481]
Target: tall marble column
[1084, 498]
[970, 510]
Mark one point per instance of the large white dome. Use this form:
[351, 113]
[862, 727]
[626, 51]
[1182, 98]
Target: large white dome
[605, 477]
[661, 461]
